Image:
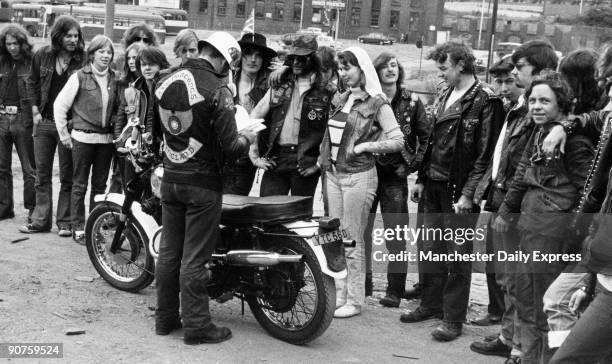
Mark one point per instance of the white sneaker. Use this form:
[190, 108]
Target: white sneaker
[347, 311]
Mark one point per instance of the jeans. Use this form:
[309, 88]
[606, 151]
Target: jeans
[556, 306]
[589, 340]
[86, 157]
[191, 217]
[532, 281]
[238, 179]
[448, 283]
[350, 197]
[13, 131]
[494, 271]
[511, 329]
[46, 140]
[285, 177]
[392, 192]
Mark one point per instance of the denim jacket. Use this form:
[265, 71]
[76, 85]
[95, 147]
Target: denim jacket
[87, 105]
[43, 67]
[361, 126]
[23, 71]
[313, 120]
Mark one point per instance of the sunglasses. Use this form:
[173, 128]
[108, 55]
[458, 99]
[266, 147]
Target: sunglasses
[143, 39]
[299, 59]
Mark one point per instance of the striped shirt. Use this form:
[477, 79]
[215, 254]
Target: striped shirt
[336, 127]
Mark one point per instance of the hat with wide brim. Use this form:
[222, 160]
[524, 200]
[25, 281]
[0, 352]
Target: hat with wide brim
[257, 41]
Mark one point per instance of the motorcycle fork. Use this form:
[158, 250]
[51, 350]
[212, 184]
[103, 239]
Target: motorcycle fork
[125, 209]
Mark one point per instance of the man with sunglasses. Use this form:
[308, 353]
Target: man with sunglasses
[295, 112]
[528, 60]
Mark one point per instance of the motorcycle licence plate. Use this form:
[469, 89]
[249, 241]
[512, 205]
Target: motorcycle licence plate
[330, 237]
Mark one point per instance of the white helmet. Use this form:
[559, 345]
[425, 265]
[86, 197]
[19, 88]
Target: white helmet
[225, 44]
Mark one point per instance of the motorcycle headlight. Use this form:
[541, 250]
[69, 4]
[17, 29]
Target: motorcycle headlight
[156, 179]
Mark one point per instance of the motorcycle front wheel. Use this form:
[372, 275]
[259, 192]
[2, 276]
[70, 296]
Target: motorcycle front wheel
[132, 267]
[301, 306]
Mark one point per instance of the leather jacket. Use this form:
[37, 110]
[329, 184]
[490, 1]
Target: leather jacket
[416, 127]
[544, 190]
[464, 137]
[43, 67]
[22, 67]
[518, 132]
[197, 115]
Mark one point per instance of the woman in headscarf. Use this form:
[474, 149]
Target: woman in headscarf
[361, 124]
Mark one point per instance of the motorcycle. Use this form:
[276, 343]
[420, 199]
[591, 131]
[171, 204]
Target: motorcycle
[273, 254]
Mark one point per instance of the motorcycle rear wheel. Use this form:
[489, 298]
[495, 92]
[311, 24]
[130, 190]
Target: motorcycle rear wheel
[313, 309]
[132, 268]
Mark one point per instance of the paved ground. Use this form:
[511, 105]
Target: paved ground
[44, 291]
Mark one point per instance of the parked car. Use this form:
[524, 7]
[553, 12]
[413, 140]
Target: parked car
[376, 38]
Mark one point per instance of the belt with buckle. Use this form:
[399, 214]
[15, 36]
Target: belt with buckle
[9, 109]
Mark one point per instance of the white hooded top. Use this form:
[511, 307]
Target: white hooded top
[372, 86]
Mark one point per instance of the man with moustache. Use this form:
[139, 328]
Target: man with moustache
[466, 124]
[15, 118]
[52, 65]
[295, 113]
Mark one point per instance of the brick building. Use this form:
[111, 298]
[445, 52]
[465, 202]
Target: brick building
[391, 17]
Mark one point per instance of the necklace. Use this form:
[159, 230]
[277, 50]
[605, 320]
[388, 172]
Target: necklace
[62, 64]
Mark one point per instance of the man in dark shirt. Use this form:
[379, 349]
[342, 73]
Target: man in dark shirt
[467, 121]
[51, 67]
[15, 118]
[197, 116]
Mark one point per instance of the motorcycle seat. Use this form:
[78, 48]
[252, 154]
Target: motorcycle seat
[238, 210]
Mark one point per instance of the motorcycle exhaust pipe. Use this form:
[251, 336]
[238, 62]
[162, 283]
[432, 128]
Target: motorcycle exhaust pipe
[348, 243]
[256, 258]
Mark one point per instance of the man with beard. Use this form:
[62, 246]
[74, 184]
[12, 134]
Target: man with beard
[466, 125]
[52, 65]
[295, 113]
[15, 118]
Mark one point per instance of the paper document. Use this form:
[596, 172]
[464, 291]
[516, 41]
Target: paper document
[244, 122]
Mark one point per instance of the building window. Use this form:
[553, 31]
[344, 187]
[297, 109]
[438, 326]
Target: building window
[241, 8]
[279, 10]
[260, 9]
[394, 19]
[356, 2]
[221, 7]
[355, 16]
[375, 13]
[203, 6]
[396, 3]
[317, 15]
[416, 4]
[415, 22]
[297, 11]
[185, 5]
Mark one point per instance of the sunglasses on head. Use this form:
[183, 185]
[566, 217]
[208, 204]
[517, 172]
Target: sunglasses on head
[143, 39]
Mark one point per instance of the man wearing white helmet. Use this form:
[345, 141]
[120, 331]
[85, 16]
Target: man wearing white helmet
[197, 115]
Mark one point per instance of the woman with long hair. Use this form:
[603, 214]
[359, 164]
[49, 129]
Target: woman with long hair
[579, 68]
[361, 124]
[136, 100]
[90, 96]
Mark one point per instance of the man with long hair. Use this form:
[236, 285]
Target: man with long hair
[51, 67]
[295, 113]
[15, 118]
